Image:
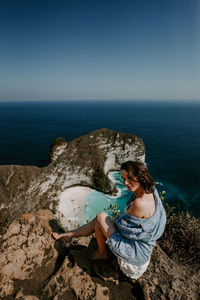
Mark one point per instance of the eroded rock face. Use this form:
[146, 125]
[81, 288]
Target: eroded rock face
[83, 161]
[33, 266]
[58, 146]
[14, 183]
[27, 255]
[165, 279]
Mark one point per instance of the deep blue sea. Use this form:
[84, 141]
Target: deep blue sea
[170, 131]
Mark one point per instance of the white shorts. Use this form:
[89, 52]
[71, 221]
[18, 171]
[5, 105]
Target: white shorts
[132, 271]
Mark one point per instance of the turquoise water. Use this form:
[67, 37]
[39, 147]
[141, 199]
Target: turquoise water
[97, 201]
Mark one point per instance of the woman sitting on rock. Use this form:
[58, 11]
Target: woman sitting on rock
[132, 235]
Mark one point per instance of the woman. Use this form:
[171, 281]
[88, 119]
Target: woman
[132, 235]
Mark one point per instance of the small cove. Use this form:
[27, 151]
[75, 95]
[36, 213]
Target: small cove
[79, 204]
[97, 201]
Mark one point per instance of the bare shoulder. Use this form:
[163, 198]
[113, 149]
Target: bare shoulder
[137, 208]
[139, 203]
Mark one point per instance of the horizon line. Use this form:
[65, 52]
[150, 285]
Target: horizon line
[113, 99]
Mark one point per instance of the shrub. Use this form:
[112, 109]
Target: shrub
[181, 239]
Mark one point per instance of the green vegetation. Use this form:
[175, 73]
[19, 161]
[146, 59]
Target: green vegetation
[114, 212]
[59, 141]
[181, 239]
[99, 180]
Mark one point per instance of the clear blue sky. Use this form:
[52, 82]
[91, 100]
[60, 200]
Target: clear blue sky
[96, 49]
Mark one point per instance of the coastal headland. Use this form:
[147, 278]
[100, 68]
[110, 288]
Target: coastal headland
[33, 266]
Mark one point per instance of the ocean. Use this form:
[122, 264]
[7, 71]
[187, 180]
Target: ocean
[170, 131]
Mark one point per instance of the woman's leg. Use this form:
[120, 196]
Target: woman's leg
[104, 227]
[85, 230]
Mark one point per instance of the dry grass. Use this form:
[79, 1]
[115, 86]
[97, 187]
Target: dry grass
[181, 239]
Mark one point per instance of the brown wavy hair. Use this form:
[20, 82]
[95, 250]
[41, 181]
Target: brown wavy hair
[139, 170]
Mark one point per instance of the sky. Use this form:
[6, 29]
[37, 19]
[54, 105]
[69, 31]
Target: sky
[92, 49]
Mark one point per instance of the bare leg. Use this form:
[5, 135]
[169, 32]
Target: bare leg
[101, 252]
[104, 227]
[85, 230]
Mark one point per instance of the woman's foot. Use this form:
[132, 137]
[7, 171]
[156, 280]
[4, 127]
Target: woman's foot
[65, 236]
[99, 256]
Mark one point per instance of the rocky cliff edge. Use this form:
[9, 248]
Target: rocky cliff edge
[34, 266]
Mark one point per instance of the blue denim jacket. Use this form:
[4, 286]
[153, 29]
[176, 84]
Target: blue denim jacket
[135, 238]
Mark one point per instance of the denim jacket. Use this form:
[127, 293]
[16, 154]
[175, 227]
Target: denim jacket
[135, 238]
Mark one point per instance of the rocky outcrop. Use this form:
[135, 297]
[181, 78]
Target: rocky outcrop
[33, 266]
[58, 146]
[28, 255]
[84, 161]
[15, 181]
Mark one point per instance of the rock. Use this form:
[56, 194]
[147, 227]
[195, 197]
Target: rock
[27, 255]
[57, 147]
[14, 183]
[165, 279]
[102, 292]
[33, 266]
[69, 280]
[21, 296]
[84, 161]
[76, 282]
